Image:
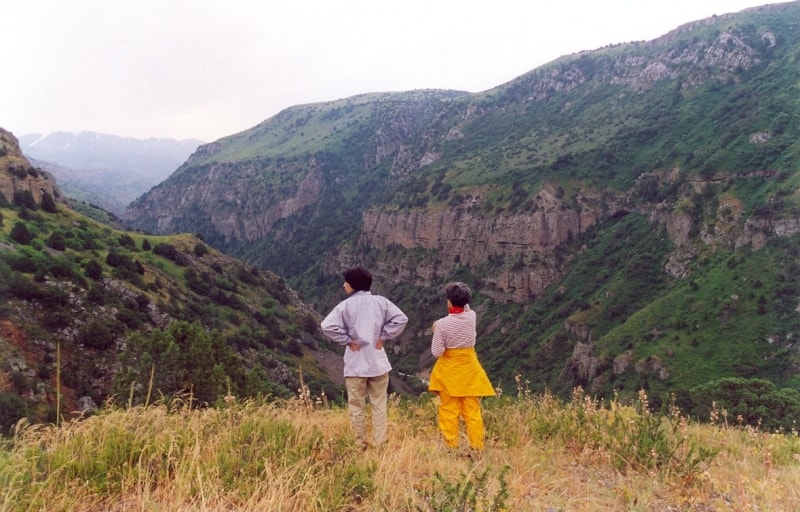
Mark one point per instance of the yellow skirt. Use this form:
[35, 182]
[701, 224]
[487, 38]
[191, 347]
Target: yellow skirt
[459, 373]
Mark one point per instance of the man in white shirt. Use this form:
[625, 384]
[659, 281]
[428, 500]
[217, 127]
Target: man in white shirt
[363, 322]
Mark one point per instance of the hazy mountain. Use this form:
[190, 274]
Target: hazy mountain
[628, 216]
[106, 170]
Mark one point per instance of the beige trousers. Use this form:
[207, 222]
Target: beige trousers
[359, 389]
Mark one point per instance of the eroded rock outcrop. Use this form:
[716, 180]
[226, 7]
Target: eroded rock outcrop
[17, 174]
[729, 225]
[246, 208]
[523, 242]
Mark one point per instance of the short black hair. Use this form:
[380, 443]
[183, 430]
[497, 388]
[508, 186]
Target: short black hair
[458, 294]
[358, 278]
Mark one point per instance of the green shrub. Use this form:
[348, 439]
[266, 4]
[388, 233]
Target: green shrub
[185, 357]
[130, 319]
[54, 297]
[753, 402]
[126, 241]
[21, 234]
[64, 269]
[97, 334]
[93, 270]
[30, 214]
[56, 241]
[97, 294]
[48, 203]
[170, 252]
[21, 262]
[12, 409]
[5, 274]
[199, 284]
[470, 492]
[200, 250]
[24, 199]
[115, 259]
[124, 267]
[22, 288]
[57, 319]
[21, 383]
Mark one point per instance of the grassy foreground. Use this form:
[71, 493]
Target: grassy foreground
[542, 455]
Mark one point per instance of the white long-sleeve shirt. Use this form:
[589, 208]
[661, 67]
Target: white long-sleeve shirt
[364, 318]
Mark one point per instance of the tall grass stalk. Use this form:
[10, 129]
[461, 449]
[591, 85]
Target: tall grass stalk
[58, 383]
[150, 385]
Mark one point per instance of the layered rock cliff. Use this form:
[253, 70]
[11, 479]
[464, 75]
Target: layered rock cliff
[245, 210]
[466, 236]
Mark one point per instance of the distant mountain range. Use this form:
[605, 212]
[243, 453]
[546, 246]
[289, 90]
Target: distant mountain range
[105, 170]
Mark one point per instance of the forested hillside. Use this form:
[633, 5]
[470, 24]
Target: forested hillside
[91, 314]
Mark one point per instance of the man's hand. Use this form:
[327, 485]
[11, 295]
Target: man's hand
[379, 344]
[355, 347]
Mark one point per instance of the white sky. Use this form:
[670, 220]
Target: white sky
[206, 69]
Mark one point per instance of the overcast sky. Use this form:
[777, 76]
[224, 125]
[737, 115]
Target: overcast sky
[203, 69]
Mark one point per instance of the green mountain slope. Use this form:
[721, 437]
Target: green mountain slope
[90, 313]
[628, 216]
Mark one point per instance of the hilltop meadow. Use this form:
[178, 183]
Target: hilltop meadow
[543, 454]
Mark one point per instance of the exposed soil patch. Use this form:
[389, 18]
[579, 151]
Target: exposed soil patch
[16, 338]
[34, 358]
[332, 363]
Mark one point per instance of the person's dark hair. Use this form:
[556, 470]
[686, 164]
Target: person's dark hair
[358, 278]
[458, 294]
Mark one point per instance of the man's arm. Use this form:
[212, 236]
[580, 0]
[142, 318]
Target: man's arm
[394, 324]
[334, 328]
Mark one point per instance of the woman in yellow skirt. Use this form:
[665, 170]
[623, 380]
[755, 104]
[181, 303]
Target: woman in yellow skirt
[458, 377]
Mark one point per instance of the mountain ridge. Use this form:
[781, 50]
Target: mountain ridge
[689, 140]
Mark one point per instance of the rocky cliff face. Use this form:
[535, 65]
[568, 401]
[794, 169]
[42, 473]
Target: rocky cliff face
[253, 220]
[524, 243]
[242, 209]
[17, 174]
[728, 53]
[466, 236]
[729, 226]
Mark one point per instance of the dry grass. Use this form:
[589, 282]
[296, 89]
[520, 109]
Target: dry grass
[542, 455]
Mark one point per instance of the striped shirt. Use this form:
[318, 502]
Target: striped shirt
[454, 331]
